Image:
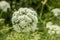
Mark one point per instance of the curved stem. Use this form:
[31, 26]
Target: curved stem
[41, 12]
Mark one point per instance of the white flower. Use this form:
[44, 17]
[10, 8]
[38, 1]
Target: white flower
[16, 29]
[26, 19]
[27, 29]
[53, 28]
[34, 18]
[51, 32]
[23, 23]
[4, 6]
[48, 25]
[33, 28]
[56, 11]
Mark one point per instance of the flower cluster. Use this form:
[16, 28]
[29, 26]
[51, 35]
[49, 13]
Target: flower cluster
[53, 29]
[4, 6]
[24, 20]
[56, 12]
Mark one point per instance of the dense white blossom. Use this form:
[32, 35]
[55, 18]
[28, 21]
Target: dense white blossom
[4, 6]
[56, 11]
[24, 20]
[53, 28]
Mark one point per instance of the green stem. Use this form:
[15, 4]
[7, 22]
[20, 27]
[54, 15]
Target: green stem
[41, 12]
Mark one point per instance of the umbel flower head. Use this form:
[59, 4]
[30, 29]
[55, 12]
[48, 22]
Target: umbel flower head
[4, 6]
[25, 20]
[53, 29]
[56, 12]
